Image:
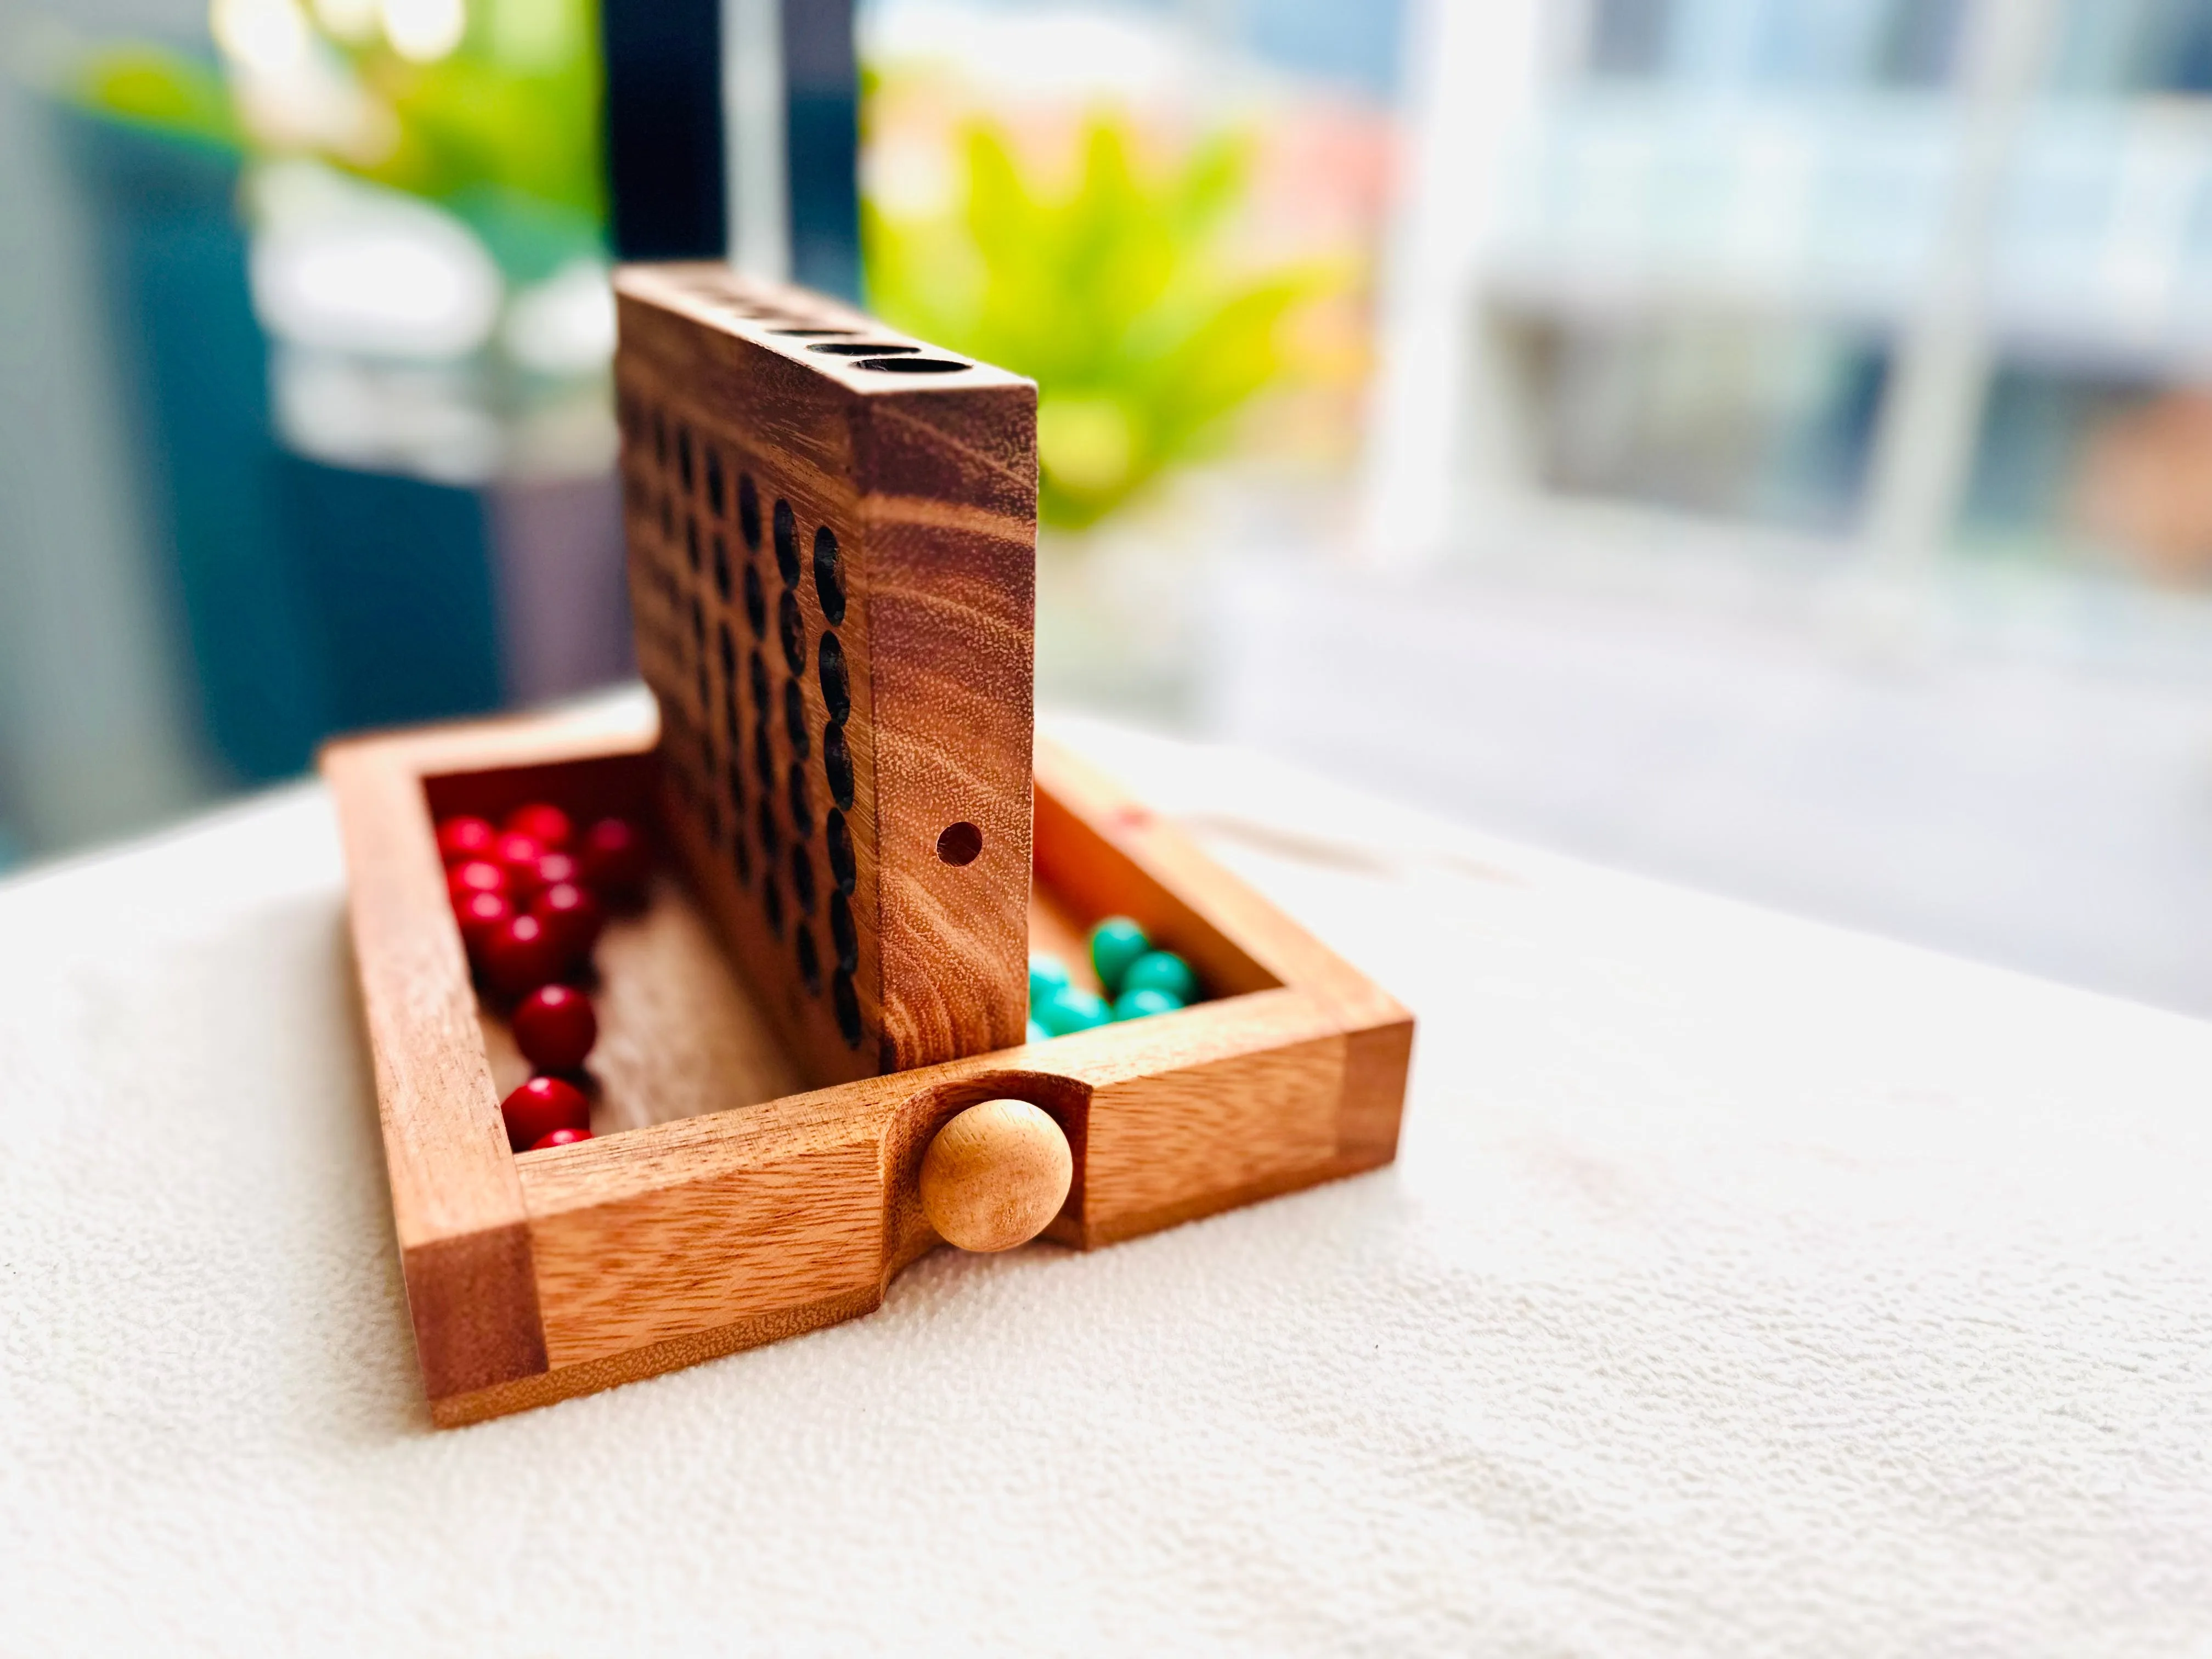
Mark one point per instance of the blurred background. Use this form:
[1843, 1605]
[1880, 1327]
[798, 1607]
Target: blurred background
[1765, 443]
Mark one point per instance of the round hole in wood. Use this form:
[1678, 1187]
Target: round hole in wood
[862, 348]
[829, 582]
[839, 839]
[816, 333]
[748, 524]
[802, 806]
[843, 937]
[756, 603]
[810, 960]
[802, 880]
[995, 1175]
[847, 1000]
[764, 765]
[837, 765]
[912, 365]
[836, 683]
[959, 843]
[791, 628]
[794, 719]
[787, 543]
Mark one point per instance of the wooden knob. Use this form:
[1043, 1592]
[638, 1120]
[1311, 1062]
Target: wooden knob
[995, 1174]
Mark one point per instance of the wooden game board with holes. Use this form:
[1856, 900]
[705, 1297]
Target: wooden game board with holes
[831, 576]
[832, 533]
[718, 1208]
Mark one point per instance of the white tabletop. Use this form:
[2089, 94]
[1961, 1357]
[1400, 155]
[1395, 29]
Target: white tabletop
[1743, 1287]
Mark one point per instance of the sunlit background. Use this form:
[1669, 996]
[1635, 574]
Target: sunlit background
[1767, 443]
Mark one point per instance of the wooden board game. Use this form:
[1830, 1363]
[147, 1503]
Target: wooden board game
[832, 533]
[753, 1167]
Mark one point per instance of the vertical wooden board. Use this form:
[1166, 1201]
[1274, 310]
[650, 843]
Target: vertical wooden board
[1180, 1143]
[951, 529]
[832, 576]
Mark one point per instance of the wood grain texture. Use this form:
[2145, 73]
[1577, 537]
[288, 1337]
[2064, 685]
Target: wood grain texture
[728, 1217]
[456, 1202]
[833, 576]
[995, 1175]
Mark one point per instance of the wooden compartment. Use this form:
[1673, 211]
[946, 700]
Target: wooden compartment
[718, 1210]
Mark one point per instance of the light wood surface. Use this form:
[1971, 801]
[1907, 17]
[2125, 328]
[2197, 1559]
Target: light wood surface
[755, 435]
[729, 1215]
[456, 1203]
[995, 1175]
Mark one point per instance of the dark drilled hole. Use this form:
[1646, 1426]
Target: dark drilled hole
[756, 603]
[757, 672]
[792, 628]
[771, 895]
[829, 581]
[787, 544]
[717, 496]
[667, 517]
[862, 348]
[816, 333]
[802, 879]
[763, 757]
[722, 566]
[843, 938]
[912, 365]
[771, 834]
[794, 718]
[836, 686]
[691, 543]
[802, 809]
[749, 512]
[848, 1008]
[741, 859]
[683, 456]
[810, 962]
[959, 843]
[727, 648]
[837, 765]
[838, 838]
[734, 776]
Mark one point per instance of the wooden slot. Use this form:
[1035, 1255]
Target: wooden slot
[725, 1204]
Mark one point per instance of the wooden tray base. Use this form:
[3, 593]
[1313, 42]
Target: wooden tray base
[723, 1206]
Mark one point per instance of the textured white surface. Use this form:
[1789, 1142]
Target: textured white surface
[1744, 1287]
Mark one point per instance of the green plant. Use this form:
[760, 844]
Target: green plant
[1113, 297]
[499, 124]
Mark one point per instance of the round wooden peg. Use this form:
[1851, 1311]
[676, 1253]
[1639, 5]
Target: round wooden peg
[995, 1174]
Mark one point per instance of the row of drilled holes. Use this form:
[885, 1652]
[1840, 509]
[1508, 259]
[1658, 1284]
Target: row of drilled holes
[694, 464]
[882, 357]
